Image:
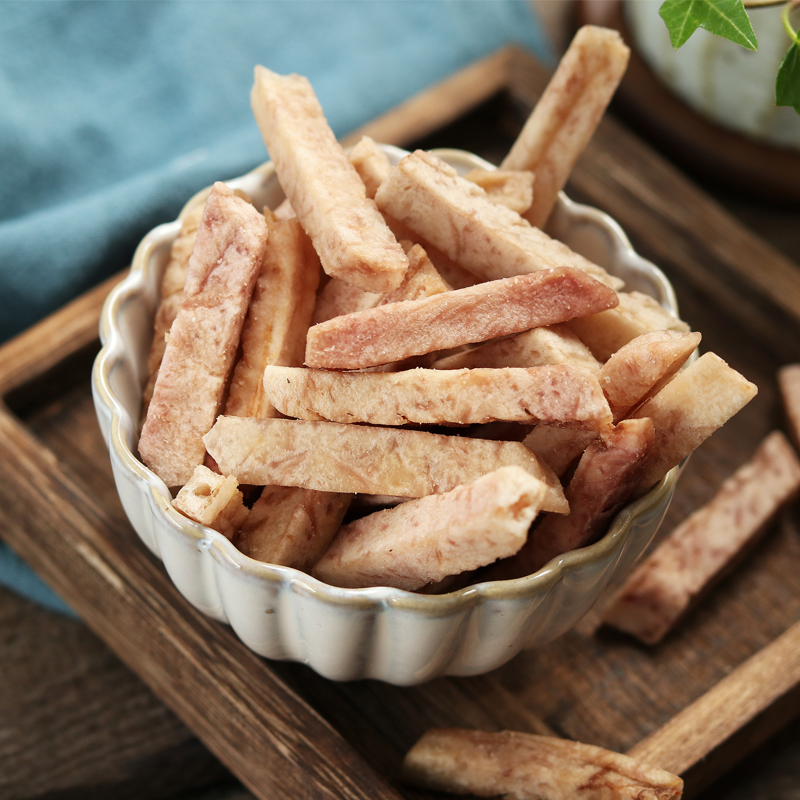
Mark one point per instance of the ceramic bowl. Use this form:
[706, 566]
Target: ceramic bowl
[344, 634]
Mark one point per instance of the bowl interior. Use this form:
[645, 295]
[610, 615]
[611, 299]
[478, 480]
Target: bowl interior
[121, 370]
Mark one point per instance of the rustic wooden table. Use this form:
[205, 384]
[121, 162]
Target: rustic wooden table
[75, 722]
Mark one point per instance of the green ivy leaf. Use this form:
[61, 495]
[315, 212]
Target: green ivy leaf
[787, 85]
[726, 18]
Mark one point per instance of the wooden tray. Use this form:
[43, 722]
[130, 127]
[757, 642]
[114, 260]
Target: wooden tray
[709, 693]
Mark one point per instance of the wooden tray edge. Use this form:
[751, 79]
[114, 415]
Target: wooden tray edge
[35, 351]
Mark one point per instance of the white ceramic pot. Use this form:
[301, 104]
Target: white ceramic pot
[389, 634]
[730, 85]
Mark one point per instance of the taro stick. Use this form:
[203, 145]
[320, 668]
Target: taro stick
[464, 316]
[567, 113]
[203, 339]
[333, 457]
[558, 394]
[606, 476]
[526, 766]
[212, 500]
[454, 214]
[685, 565]
[424, 541]
[352, 239]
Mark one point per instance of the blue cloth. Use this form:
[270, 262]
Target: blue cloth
[112, 114]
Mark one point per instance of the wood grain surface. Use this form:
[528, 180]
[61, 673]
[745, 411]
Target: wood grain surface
[285, 731]
[75, 720]
[725, 715]
[260, 729]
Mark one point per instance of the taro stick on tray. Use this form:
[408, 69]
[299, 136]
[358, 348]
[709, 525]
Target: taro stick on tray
[352, 239]
[454, 214]
[558, 394]
[423, 541]
[464, 316]
[567, 113]
[606, 476]
[789, 384]
[203, 339]
[526, 766]
[707, 544]
[333, 457]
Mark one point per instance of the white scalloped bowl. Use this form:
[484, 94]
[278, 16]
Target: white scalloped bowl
[344, 634]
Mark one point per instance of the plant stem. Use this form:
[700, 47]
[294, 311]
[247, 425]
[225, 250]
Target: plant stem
[787, 10]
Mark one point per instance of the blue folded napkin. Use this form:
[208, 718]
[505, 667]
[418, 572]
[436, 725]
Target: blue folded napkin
[115, 113]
